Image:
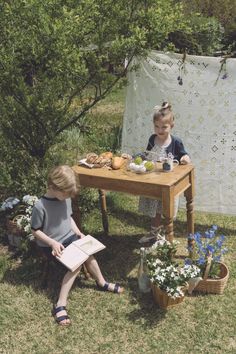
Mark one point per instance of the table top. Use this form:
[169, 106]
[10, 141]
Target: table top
[131, 182]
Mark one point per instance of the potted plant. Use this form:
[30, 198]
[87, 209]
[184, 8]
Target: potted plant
[207, 250]
[18, 215]
[168, 278]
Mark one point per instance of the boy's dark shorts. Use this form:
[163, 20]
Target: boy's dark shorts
[47, 251]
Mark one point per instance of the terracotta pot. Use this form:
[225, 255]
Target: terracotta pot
[163, 299]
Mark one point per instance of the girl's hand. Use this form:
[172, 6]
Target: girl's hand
[57, 248]
[185, 160]
[81, 235]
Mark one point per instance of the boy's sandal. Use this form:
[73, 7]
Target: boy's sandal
[106, 287]
[59, 319]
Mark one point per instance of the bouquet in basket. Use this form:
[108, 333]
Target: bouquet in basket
[206, 251]
[167, 274]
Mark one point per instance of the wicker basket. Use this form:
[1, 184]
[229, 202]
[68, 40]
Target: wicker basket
[214, 286]
[13, 228]
[163, 299]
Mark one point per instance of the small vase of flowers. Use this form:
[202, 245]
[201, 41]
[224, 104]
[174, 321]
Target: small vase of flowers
[207, 250]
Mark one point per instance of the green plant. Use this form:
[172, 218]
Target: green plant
[20, 211]
[162, 250]
[166, 274]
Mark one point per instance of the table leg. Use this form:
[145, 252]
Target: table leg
[102, 197]
[189, 194]
[168, 212]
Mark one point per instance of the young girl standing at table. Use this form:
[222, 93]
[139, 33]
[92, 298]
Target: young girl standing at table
[160, 144]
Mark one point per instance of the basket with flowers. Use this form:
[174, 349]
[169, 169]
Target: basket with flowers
[169, 280]
[207, 250]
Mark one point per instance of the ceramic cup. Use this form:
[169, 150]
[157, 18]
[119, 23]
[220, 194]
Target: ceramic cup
[168, 164]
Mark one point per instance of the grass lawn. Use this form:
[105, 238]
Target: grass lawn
[109, 323]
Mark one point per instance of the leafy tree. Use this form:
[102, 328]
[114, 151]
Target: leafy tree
[60, 58]
[222, 10]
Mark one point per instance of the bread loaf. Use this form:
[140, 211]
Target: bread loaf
[117, 162]
[91, 157]
[107, 155]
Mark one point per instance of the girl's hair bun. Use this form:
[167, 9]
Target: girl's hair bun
[165, 105]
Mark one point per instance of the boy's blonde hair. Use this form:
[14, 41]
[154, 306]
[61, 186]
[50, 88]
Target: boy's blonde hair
[62, 178]
[164, 111]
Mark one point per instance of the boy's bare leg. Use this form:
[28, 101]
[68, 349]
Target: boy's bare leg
[66, 285]
[95, 271]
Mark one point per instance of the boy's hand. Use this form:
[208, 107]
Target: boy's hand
[81, 235]
[57, 248]
[185, 160]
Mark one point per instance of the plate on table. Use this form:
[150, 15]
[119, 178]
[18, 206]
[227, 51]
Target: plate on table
[84, 163]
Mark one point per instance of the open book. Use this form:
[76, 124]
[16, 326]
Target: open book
[79, 251]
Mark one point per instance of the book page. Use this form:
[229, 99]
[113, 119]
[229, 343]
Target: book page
[72, 257]
[89, 245]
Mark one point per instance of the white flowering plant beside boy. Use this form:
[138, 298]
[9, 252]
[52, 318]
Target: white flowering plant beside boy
[20, 211]
[167, 274]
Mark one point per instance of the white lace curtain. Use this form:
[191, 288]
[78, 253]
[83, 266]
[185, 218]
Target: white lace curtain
[202, 91]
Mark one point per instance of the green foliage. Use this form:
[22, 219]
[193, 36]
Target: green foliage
[54, 52]
[58, 60]
[205, 37]
[88, 200]
[222, 10]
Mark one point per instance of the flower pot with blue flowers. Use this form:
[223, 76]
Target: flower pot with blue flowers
[207, 250]
[169, 280]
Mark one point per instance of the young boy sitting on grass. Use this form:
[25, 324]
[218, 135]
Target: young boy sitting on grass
[54, 229]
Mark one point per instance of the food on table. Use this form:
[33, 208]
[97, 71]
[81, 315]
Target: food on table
[107, 154]
[98, 161]
[107, 159]
[149, 165]
[91, 157]
[126, 156]
[138, 160]
[144, 166]
[117, 162]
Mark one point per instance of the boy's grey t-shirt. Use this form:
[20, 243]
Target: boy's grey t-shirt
[53, 217]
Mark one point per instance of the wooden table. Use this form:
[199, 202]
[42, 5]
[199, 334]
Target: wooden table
[158, 185]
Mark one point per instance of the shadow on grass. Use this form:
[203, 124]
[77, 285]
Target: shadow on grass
[148, 313]
[129, 217]
[116, 261]
[29, 272]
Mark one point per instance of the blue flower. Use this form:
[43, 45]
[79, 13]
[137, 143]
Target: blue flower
[201, 261]
[188, 261]
[210, 248]
[207, 243]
